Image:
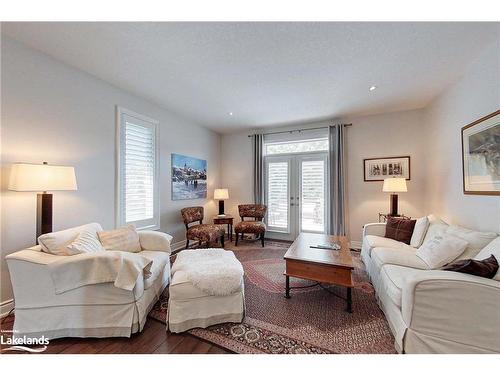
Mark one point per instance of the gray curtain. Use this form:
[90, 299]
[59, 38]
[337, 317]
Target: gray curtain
[258, 168]
[337, 180]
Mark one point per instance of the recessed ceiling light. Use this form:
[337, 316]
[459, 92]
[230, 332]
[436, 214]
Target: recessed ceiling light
[372, 88]
[230, 113]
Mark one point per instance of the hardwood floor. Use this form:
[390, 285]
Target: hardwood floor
[153, 339]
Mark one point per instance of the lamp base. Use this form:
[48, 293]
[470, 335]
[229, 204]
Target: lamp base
[221, 207]
[394, 205]
[43, 214]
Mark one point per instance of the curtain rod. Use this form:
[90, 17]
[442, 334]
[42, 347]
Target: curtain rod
[298, 130]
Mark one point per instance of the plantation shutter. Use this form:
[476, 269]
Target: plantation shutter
[139, 190]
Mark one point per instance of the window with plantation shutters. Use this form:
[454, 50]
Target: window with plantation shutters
[138, 200]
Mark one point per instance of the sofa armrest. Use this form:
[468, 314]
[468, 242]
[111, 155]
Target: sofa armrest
[155, 241]
[375, 229]
[34, 255]
[453, 306]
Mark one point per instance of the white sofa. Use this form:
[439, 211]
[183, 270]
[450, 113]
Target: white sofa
[435, 311]
[97, 310]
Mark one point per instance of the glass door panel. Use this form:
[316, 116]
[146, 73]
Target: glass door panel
[312, 194]
[278, 192]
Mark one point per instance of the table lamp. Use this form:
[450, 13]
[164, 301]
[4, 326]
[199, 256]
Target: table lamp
[221, 195]
[394, 185]
[42, 178]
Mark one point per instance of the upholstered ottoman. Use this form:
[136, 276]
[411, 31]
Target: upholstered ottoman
[206, 288]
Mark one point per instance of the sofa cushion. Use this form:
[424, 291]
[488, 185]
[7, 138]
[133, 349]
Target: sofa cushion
[400, 257]
[419, 231]
[376, 241]
[493, 248]
[393, 280]
[441, 250]
[56, 242]
[477, 240]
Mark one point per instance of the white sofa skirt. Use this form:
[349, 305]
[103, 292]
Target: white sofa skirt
[116, 317]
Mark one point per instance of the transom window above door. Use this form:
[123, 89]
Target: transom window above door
[295, 147]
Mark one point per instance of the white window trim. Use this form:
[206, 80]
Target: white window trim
[120, 164]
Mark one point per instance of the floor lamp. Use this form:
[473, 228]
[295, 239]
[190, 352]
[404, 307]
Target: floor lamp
[42, 178]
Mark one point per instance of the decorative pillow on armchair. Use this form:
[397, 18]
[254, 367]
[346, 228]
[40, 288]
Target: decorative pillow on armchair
[399, 229]
[121, 239]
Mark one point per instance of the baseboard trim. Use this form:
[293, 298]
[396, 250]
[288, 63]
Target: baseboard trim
[5, 307]
[356, 245]
[176, 246]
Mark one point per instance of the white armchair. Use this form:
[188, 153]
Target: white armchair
[98, 310]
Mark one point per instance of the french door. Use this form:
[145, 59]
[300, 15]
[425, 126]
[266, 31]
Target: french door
[296, 194]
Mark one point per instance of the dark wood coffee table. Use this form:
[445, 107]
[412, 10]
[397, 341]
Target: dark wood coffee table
[320, 265]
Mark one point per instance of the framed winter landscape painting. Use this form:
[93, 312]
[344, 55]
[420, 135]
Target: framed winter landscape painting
[481, 156]
[189, 177]
[378, 169]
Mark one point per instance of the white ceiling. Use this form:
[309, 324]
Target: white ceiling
[267, 73]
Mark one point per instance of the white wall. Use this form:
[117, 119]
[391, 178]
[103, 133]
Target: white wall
[53, 112]
[236, 167]
[393, 134]
[475, 95]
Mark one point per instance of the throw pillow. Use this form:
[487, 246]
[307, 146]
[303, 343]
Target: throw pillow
[121, 239]
[419, 232]
[56, 242]
[436, 227]
[493, 248]
[399, 229]
[86, 242]
[441, 250]
[483, 268]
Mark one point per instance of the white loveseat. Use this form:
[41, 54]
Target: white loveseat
[435, 311]
[97, 310]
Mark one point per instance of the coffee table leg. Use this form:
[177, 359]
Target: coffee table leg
[349, 300]
[287, 286]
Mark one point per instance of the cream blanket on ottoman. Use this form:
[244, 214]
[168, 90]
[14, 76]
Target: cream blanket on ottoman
[216, 272]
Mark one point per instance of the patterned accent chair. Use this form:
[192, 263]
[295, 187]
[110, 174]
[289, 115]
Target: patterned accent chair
[201, 232]
[255, 226]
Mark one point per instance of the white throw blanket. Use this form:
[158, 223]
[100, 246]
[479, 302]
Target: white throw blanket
[213, 271]
[119, 267]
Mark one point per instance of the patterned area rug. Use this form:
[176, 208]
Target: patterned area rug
[313, 321]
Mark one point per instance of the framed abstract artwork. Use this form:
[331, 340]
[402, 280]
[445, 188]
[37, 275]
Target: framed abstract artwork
[189, 177]
[481, 156]
[378, 169]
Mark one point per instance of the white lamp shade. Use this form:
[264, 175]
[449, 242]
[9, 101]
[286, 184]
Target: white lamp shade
[41, 177]
[394, 185]
[221, 194]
